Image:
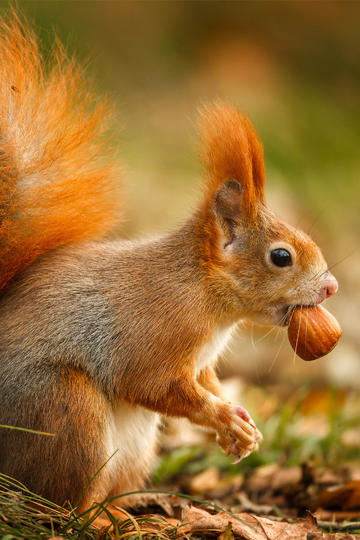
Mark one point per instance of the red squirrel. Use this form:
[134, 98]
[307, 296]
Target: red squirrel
[100, 337]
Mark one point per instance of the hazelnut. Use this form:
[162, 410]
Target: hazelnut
[313, 332]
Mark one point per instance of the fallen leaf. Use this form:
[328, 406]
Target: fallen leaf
[345, 497]
[285, 476]
[331, 536]
[248, 526]
[205, 481]
[247, 505]
[226, 486]
[166, 502]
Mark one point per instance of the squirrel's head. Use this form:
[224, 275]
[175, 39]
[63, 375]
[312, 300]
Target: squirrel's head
[268, 265]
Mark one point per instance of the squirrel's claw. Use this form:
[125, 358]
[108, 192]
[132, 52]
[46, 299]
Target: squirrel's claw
[243, 413]
[241, 437]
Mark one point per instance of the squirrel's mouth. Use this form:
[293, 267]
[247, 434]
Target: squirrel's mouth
[280, 315]
[286, 313]
[288, 310]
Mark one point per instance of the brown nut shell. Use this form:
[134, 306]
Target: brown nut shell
[313, 332]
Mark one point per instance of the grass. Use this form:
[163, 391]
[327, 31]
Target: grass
[286, 441]
[24, 514]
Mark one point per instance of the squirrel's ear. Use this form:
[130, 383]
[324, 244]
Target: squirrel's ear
[231, 150]
[228, 207]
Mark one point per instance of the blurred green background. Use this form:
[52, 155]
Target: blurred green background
[293, 67]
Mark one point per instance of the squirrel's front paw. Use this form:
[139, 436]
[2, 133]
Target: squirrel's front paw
[237, 433]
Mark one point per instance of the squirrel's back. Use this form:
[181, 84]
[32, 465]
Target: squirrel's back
[58, 183]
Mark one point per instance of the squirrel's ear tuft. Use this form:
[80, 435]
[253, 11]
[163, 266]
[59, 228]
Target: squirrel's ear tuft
[231, 150]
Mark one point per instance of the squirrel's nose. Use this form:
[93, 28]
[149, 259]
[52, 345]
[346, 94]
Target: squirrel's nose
[329, 286]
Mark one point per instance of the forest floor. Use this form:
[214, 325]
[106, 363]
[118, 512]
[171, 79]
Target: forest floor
[304, 483]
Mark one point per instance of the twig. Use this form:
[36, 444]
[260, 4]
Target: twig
[333, 525]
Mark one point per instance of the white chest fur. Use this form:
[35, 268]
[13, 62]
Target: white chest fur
[210, 351]
[131, 436]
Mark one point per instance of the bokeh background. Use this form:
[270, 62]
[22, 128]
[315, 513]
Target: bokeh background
[294, 68]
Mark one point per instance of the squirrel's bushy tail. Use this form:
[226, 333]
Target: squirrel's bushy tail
[57, 179]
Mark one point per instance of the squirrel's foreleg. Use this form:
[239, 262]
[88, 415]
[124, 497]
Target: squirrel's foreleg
[184, 397]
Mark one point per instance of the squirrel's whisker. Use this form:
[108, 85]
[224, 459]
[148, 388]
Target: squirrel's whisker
[317, 275]
[278, 353]
[297, 337]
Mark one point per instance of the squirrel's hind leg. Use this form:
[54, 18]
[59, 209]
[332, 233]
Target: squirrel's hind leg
[98, 449]
[67, 405]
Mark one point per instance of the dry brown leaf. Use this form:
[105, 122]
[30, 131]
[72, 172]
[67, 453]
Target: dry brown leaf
[166, 502]
[273, 477]
[332, 536]
[171, 521]
[211, 486]
[248, 526]
[246, 505]
[204, 481]
[285, 476]
[345, 497]
[226, 486]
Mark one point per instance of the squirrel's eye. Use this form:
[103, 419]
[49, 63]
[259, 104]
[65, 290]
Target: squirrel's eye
[281, 257]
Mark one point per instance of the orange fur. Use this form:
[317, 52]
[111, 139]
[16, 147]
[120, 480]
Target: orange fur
[231, 150]
[99, 338]
[209, 380]
[55, 185]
